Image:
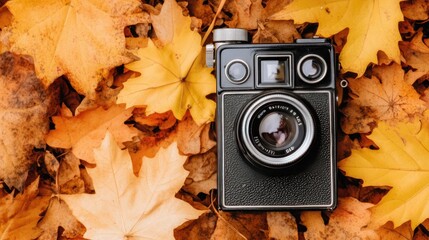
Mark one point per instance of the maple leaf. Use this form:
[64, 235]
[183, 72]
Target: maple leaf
[384, 96]
[173, 77]
[402, 163]
[367, 20]
[86, 131]
[24, 117]
[19, 214]
[348, 221]
[78, 38]
[133, 207]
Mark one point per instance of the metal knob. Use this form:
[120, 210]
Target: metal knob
[224, 36]
[230, 35]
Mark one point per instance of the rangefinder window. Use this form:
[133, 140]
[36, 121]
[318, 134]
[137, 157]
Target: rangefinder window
[274, 70]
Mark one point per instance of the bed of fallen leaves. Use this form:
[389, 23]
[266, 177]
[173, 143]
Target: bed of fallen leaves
[107, 111]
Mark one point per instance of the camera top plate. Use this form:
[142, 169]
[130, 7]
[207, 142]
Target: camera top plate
[284, 66]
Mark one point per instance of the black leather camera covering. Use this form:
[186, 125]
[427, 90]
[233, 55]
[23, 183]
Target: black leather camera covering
[309, 184]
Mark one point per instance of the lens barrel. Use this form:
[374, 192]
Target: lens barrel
[275, 130]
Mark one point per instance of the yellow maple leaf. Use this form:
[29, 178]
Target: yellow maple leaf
[402, 163]
[373, 27]
[78, 38]
[385, 96]
[129, 207]
[84, 132]
[173, 77]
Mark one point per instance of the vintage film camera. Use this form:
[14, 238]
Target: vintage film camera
[276, 123]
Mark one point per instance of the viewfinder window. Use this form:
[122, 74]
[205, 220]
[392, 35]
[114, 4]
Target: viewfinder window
[274, 70]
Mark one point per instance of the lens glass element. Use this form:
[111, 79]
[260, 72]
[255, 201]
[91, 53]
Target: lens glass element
[312, 68]
[277, 129]
[237, 71]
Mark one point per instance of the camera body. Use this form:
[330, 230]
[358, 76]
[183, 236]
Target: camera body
[276, 123]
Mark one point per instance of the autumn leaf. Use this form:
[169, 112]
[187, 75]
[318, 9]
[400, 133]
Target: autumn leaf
[416, 54]
[130, 206]
[385, 96]
[58, 216]
[86, 131]
[77, 38]
[348, 221]
[244, 13]
[173, 77]
[401, 163]
[367, 21]
[25, 107]
[19, 214]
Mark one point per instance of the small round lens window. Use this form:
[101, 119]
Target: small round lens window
[237, 71]
[312, 68]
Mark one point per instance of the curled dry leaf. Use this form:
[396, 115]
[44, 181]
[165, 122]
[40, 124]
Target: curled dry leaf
[274, 31]
[138, 207]
[244, 13]
[57, 36]
[416, 9]
[161, 120]
[58, 216]
[86, 131]
[19, 214]
[202, 173]
[416, 54]
[384, 96]
[348, 221]
[69, 175]
[24, 116]
[376, 18]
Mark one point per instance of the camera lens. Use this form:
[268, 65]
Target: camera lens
[312, 68]
[276, 129]
[237, 71]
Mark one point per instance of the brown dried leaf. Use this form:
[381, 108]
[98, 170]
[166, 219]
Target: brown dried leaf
[202, 173]
[201, 10]
[348, 221]
[24, 117]
[385, 96]
[162, 120]
[69, 175]
[188, 136]
[148, 145]
[59, 216]
[416, 54]
[415, 9]
[239, 226]
[281, 226]
[244, 13]
[201, 228]
[274, 31]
